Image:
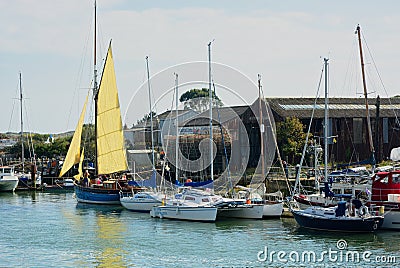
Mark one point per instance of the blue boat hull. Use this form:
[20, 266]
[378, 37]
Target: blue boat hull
[97, 196]
[370, 224]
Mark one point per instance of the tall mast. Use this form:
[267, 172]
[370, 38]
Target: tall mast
[326, 153]
[95, 89]
[371, 144]
[211, 120]
[22, 123]
[151, 114]
[261, 129]
[177, 129]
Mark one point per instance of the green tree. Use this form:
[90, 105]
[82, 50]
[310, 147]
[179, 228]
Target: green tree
[57, 147]
[146, 118]
[89, 141]
[40, 147]
[291, 138]
[198, 99]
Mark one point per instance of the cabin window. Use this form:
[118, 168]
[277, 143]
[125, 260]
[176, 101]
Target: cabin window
[385, 180]
[189, 198]
[7, 170]
[205, 200]
[385, 129]
[357, 130]
[396, 178]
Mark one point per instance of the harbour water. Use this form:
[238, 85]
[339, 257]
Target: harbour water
[52, 230]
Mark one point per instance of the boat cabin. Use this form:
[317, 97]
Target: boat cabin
[386, 186]
[6, 171]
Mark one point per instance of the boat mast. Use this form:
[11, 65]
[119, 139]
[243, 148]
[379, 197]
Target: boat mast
[261, 129]
[151, 114]
[326, 122]
[22, 123]
[371, 144]
[95, 88]
[211, 120]
[177, 130]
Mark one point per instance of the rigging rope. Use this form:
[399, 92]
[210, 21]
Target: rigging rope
[297, 183]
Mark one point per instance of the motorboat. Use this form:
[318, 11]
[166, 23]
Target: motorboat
[8, 180]
[385, 196]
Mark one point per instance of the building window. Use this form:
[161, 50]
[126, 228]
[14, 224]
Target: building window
[385, 133]
[338, 125]
[357, 130]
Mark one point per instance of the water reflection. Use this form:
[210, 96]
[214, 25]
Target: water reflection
[382, 240]
[109, 233]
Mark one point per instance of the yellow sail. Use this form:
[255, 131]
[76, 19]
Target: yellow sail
[110, 138]
[80, 172]
[73, 154]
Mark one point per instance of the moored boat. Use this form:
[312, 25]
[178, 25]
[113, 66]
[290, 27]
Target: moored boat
[239, 209]
[142, 201]
[8, 180]
[272, 209]
[189, 212]
[107, 193]
[338, 218]
[110, 152]
[386, 194]
[188, 206]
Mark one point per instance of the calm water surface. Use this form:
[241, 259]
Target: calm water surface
[52, 230]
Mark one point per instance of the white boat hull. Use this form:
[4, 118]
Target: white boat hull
[254, 211]
[189, 213]
[8, 183]
[142, 201]
[392, 220]
[138, 205]
[273, 210]
[391, 213]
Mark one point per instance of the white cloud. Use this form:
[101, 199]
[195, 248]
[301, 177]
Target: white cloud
[48, 39]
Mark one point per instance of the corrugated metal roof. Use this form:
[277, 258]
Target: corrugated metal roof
[338, 107]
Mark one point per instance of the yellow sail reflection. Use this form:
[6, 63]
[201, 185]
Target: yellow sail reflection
[73, 154]
[111, 156]
[110, 232]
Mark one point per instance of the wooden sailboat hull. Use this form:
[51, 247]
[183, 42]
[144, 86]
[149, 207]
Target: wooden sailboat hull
[97, 196]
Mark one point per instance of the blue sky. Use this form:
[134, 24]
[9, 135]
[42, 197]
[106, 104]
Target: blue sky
[50, 42]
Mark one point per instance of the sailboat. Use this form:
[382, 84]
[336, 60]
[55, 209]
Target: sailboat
[110, 151]
[145, 200]
[349, 216]
[190, 204]
[271, 208]
[326, 197]
[27, 180]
